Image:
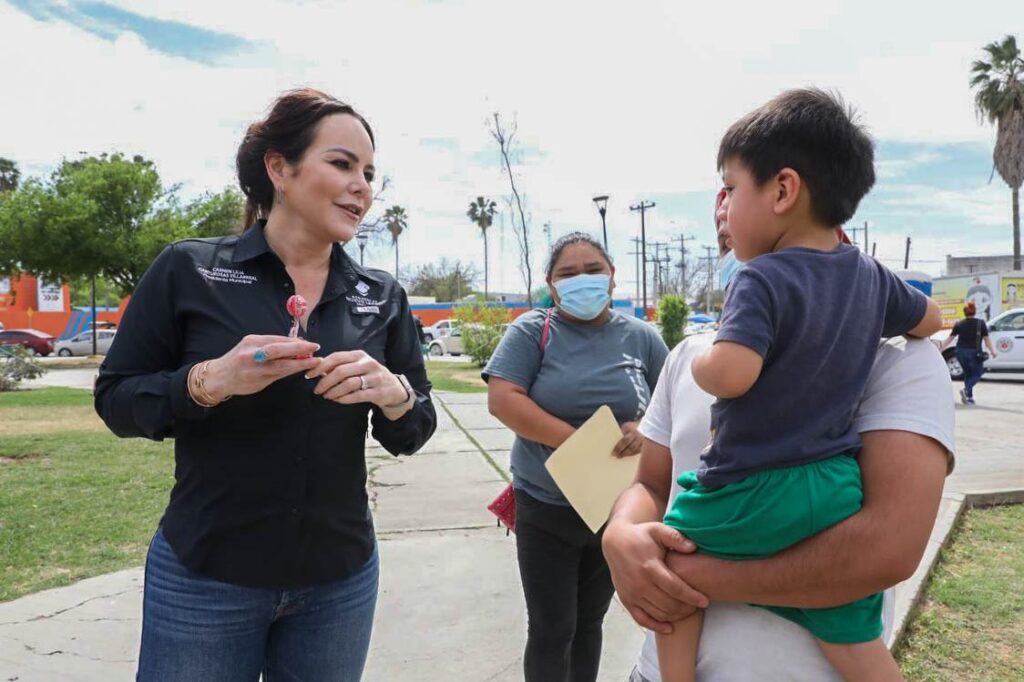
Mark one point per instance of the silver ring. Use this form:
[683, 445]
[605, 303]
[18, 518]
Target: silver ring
[362, 383]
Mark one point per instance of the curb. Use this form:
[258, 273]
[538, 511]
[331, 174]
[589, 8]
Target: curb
[962, 502]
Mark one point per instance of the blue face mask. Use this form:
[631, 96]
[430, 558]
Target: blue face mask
[584, 296]
[728, 266]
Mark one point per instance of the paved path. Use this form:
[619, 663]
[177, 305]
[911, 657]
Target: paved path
[450, 605]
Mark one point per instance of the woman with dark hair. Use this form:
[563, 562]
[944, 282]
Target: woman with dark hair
[550, 373]
[970, 333]
[265, 561]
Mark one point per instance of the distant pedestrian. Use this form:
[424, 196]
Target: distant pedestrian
[970, 332]
[424, 349]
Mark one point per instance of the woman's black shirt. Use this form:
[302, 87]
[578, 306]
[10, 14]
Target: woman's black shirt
[969, 332]
[270, 489]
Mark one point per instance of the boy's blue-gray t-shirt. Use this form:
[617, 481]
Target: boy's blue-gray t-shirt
[816, 318]
[581, 368]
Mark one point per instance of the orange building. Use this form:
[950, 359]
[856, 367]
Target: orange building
[29, 303]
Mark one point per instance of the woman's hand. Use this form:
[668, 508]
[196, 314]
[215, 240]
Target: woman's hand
[630, 442]
[352, 376]
[237, 372]
[654, 596]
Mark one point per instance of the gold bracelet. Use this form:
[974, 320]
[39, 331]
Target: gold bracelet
[197, 386]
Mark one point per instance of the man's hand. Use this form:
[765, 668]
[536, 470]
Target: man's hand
[654, 596]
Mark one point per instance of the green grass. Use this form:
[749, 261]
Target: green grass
[456, 377]
[73, 503]
[76, 501]
[46, 397]
[969, 626]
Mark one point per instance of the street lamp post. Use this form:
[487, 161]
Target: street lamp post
[602, 208]
[361, 238]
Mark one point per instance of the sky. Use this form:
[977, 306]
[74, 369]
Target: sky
[626, 99]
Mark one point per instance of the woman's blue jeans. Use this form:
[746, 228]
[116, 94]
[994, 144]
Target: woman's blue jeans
[196, 629]
[973, 368]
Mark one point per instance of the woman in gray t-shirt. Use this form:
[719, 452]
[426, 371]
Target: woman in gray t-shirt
[549, 374]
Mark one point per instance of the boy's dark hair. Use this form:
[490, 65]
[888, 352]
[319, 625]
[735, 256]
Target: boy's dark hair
[817, 135]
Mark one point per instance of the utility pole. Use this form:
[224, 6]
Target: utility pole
[642, 207]
[855, 230]
[636, 252]
[682, 239]
[906, 256]
[711, 279]
[659, 281]
[865, 236]
[874, 245]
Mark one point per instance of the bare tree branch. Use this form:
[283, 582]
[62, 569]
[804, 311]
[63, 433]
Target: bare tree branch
[505, 138]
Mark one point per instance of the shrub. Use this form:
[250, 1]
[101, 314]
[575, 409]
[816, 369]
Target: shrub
[481, 328]
[16, 365]
[672, 314]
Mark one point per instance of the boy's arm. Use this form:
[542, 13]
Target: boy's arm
[876, 548]
[745, 335]
[930, 323]
[727, 369]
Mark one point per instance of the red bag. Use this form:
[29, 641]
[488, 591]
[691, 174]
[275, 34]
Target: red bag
[504, 505]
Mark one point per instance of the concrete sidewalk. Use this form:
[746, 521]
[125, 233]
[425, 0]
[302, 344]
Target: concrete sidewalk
[451, 605]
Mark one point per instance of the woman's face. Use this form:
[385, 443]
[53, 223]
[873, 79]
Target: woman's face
[329, 189]
[579, 259]
[722, 228]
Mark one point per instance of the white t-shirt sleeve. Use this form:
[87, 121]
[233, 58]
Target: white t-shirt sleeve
[657, 421]
[909, 389]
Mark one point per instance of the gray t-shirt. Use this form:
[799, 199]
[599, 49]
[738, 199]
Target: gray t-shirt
[816, 318]
[581, 368]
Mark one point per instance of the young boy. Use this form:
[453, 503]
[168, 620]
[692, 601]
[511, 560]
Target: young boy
[799, 331]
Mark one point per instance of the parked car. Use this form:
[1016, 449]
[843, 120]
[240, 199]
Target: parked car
[1007, 333]
[81, 344]
[37, 342]
[450, 344]
[436, 331]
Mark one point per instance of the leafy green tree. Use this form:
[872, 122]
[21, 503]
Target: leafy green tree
[999, 98]
[482, 212]
[217, 215]
[672, 314]
[482, 328]
[9, 175]
[396, 221]
[107, 216]
[445, 281]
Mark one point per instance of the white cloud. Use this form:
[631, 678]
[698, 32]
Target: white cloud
[627, 99]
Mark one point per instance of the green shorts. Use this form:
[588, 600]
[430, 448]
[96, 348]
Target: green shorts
[771, 510]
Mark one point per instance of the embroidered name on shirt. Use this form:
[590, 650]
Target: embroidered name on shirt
[367, 309]
[363, 301]
[226, 275]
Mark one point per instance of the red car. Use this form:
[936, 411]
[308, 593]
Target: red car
[37, 342]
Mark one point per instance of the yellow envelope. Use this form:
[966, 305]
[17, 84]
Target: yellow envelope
[590, 477]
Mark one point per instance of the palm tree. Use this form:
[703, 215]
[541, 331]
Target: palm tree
[482, 212]
[1000, 99]
[396, 220]
[9, 175]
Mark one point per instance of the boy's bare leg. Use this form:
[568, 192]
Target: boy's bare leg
[677, 653]
[863, 661]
